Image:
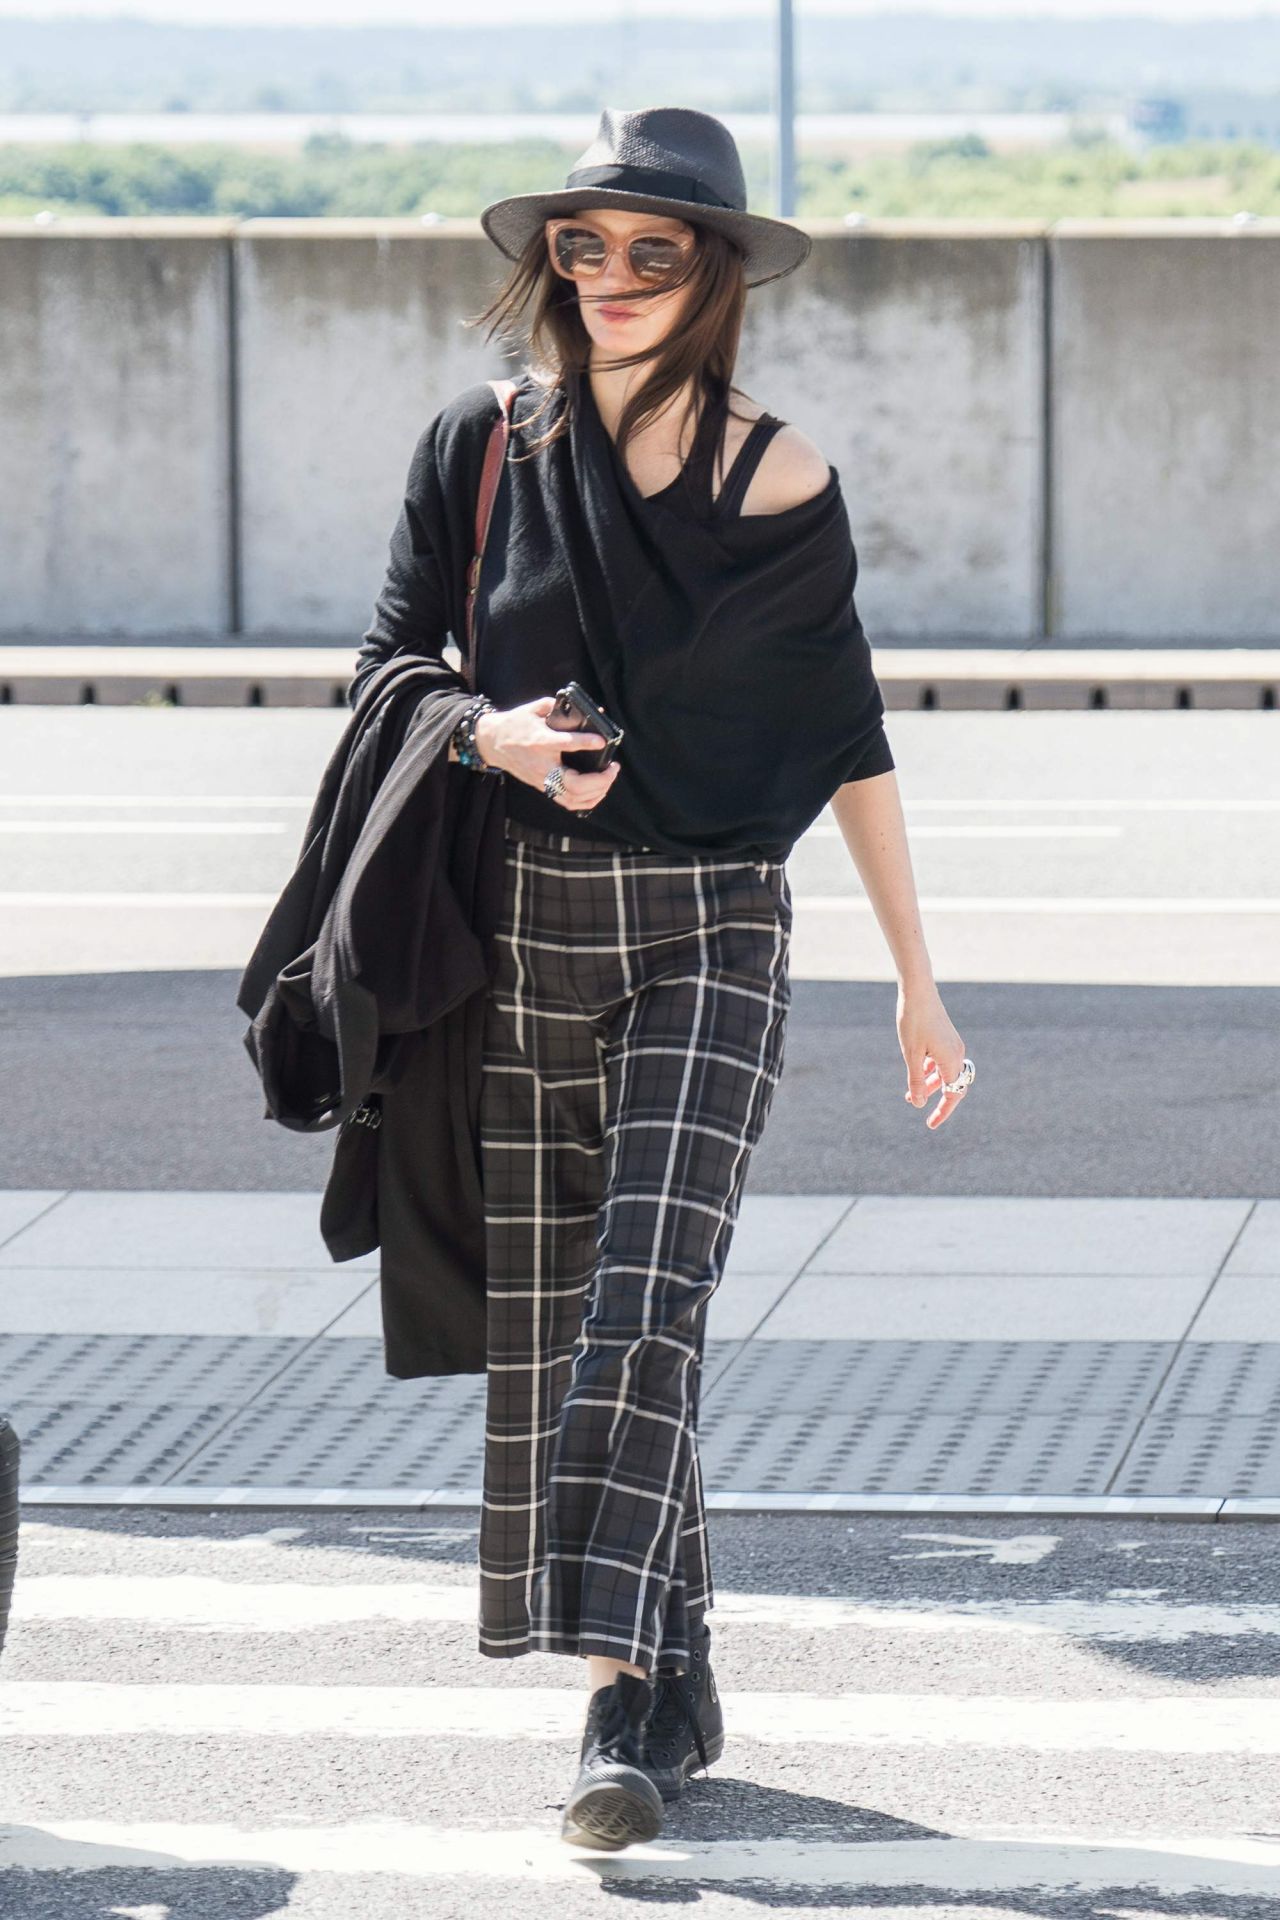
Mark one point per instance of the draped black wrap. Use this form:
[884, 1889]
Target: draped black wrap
[738, 666]
[730, 649]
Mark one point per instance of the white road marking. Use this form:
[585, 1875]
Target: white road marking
[809, 902]
[825, 824]
[144, 826]
[1180, 1723]
[162, 900]
[195, 1603]
[1044, 903]
[990, 1861]
[1021, 1549]
[156, 800]
[1014, 803]
[1016, 833]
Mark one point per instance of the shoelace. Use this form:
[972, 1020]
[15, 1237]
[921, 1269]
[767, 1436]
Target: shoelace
[673, 1708]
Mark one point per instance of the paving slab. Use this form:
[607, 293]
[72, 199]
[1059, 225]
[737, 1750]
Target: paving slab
[19, 1207]
[935, 1306]
[915, 1453]
[1257, 1250]
[1241, 1306]
[1215, 1378]
[779, 1232]
[859, 1346]
[180, 1300]
[1195, 1451]
[195, 1231]
[995, 1234]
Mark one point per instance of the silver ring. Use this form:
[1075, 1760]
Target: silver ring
[964, 1078]
[553, 785]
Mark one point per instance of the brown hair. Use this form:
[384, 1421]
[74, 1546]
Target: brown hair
[538, 308]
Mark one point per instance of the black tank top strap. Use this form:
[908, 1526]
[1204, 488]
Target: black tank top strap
[748, 457]
[695, 484]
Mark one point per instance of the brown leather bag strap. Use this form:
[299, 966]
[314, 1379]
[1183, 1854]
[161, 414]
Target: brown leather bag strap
[494, 457]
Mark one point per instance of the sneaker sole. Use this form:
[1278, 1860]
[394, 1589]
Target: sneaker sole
[612, 1815]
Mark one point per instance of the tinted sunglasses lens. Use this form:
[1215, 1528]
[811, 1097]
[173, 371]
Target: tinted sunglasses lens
[577, 250]
[655, 258]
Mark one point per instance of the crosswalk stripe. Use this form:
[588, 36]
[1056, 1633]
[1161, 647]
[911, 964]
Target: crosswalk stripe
[1004, 1861]
[1179, 1723]
[1171, 905]
[194, 1602]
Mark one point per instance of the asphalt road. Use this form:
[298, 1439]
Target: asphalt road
[231, 1716]
[1101, 898]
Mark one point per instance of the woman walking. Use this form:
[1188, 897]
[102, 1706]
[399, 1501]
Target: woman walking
[685, 557]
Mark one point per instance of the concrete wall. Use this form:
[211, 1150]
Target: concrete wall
[913, 355]
[115, 478]
[349, 339]
[205, 426]
[1165, 423]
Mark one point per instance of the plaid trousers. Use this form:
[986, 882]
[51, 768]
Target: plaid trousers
[634, 1037]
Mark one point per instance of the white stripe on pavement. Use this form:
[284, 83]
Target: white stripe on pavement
[826, 822]
[1179, 1723]
[156, 800]
[1014, 803]
[1047, 903]
[999, 1861]
[809, 902]
[421, 1499]
[200, 1603]
[144, 826]
[1021, 832]
[138, 899]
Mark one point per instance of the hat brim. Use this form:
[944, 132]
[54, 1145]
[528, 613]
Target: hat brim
[771, 248]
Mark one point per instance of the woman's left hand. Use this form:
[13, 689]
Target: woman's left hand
[932, 1049]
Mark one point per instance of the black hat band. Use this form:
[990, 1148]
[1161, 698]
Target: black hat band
[651, 180]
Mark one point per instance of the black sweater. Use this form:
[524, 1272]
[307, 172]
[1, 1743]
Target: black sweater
[728, 646]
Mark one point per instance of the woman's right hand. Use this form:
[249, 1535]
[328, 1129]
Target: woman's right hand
[518, 740]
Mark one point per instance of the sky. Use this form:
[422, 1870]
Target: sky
[427, 13]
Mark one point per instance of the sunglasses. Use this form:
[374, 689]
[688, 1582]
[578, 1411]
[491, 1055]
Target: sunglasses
[581, 253]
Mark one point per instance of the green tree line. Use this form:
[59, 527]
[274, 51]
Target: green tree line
[1086, 176]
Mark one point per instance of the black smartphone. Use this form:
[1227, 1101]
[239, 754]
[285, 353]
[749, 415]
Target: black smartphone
[576, 712]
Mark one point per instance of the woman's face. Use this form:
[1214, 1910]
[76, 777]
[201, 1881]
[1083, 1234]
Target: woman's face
[634, 324]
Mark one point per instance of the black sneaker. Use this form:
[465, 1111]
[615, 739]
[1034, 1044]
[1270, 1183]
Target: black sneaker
[613, 1801]
[685, 1727]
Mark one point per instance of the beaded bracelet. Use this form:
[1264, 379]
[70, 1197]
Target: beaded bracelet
[464, 735]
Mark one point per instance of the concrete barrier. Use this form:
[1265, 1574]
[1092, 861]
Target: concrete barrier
[1165, 392]
[350, 336]
[1041, 432]
[912, 352]
[116, 496]
[991, 678]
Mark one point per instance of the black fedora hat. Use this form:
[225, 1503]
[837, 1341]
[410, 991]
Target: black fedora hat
[671, 160]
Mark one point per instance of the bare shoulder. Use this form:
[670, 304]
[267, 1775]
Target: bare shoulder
[792, 469]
